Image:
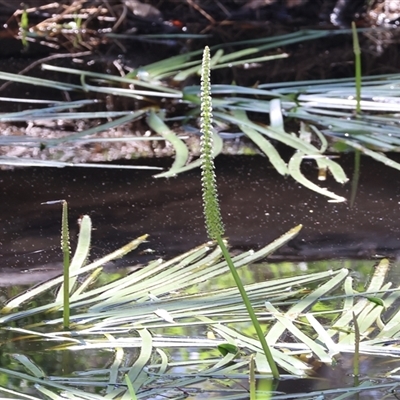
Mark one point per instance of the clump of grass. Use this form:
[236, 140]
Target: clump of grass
[135, 314]
[327, 109]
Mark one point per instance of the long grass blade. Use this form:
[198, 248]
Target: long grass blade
[218, 145]
[27, 162]
[181, 150]
[29, 365]
[294, 170]
[143, 359]
[373, 154]
[268, 149]
[6, 76]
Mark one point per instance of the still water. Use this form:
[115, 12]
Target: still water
[257, 205]
[63, 366]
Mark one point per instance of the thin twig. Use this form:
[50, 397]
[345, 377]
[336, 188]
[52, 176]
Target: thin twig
[202, 12]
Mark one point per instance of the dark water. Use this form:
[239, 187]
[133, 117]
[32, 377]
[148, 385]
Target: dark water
[258, 205]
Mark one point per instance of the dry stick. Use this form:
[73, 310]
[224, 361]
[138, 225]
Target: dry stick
[201, 11]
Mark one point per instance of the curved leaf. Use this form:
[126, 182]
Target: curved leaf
[181, 150]
[264, 144]
[294, 170]
[217, 149]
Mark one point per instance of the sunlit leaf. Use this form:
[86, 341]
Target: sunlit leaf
[295, 172]
[181, 150]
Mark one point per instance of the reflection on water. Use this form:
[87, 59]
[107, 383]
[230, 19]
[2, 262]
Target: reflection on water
[258, 206]
[183, 362]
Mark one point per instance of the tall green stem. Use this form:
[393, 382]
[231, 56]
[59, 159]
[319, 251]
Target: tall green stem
[358, 76]
[214, 225]
[66, 262]
[250, 309]
[357, 58]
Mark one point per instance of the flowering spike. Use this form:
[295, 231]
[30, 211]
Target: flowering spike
[211, 208]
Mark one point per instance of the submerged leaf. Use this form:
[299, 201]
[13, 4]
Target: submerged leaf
[29, 365]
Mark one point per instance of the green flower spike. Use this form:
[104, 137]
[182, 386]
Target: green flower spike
[215, 228]
[211, 208]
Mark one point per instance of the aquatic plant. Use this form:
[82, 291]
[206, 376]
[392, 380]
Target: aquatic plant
[212, 212]
[141, 317]
[325, 110]
[137, 313]
[78, 261]
[66, 262]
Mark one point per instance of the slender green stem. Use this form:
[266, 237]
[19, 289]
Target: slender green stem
[358, 76]
[250, 309]
[357, 57]
[265, 388]
[252, 379]
[214, 225]
[66, 263]
[66, 258]
[131, 389]
[356, 359]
